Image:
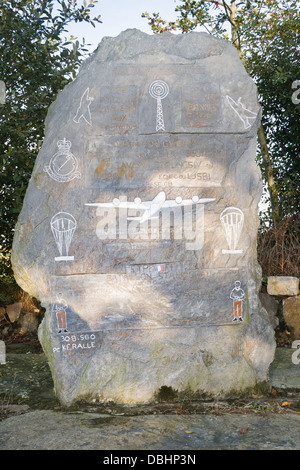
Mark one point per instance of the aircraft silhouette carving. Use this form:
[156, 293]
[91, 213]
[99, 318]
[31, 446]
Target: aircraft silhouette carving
[151, 208]
[243, 113]
[83, 110]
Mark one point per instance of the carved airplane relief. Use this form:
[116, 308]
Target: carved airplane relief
[243, 113]
[153, 207]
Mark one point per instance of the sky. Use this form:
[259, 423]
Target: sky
[119, 15]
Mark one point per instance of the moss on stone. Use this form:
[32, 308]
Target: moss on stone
[260, 389]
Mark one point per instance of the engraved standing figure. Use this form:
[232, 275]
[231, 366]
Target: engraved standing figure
[237, 295]
[61, 315]
[159, 90]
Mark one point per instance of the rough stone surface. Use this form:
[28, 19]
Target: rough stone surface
[13, 311]
[2, 314]
[49, 430]
[291, 314]
[25, 386]
[138, 229]
[27, 379]
[285, 370]
[283, 285]
[29, 323]
[270, 304]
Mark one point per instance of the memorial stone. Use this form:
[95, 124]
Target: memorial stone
[2, 92]
[138, 229]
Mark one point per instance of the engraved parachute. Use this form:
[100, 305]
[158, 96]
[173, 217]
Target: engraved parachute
[232, 220]
[63, 226]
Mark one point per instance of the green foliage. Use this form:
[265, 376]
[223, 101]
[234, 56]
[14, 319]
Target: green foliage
[274, 65]
[9, 291]
[36, 63]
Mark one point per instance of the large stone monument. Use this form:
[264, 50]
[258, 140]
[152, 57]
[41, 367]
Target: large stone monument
[138, 229]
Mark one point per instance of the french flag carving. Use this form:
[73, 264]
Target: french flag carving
[160, 267]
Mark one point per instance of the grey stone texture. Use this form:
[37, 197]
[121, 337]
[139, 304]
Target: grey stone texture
[291, 314]
[270, 304]
[138, 229]
[29, 323]
[284, 372]
[2, 352]
[14, 311]
[52, 430]
[283, 285]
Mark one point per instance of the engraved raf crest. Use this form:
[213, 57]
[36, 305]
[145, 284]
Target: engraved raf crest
[63, 166]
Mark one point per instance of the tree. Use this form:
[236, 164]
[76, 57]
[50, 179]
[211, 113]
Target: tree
[274, 65]
[36, 63]
[265, 33]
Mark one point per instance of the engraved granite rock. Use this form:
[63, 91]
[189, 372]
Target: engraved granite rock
[138, 229]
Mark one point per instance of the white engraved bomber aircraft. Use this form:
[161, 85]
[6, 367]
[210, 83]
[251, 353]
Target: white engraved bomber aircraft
[151, 208]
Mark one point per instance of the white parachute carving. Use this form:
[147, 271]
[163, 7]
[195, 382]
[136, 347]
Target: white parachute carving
[232, 220]
[63, 226]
